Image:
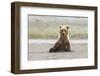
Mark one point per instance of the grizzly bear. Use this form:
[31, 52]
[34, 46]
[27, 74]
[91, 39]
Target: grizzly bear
[62, 43]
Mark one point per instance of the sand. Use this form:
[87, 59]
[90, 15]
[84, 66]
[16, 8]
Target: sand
[39, 50]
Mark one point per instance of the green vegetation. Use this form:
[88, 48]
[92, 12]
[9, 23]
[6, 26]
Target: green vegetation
[52, 32]
[48, 27]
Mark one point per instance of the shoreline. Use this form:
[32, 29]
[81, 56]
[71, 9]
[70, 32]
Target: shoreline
[51, 41]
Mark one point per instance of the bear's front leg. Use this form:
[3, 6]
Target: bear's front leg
[56, 47]
[67, 47]
[52, 50]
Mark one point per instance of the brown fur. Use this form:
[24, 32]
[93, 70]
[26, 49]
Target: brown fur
[62, 43]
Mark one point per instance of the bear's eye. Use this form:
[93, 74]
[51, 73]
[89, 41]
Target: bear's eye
[61, 30]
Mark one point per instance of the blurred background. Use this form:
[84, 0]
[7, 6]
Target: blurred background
[47, 27]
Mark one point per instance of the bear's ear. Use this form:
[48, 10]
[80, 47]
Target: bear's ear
[67, 27]
[60, 26]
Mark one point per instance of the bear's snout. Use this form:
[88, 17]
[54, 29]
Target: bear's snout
[63, 33]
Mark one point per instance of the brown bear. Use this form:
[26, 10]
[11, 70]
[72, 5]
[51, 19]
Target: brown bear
[62, 43]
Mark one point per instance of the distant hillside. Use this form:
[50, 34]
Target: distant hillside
[47, 26]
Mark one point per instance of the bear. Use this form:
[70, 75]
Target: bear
[62, 44]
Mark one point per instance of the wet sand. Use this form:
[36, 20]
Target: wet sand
[39, 50]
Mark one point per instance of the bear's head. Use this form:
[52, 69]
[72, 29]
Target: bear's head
[63, 30]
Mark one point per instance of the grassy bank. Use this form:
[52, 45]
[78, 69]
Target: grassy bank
[47, 27]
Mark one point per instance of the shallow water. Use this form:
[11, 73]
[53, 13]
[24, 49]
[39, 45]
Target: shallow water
[39, 50]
